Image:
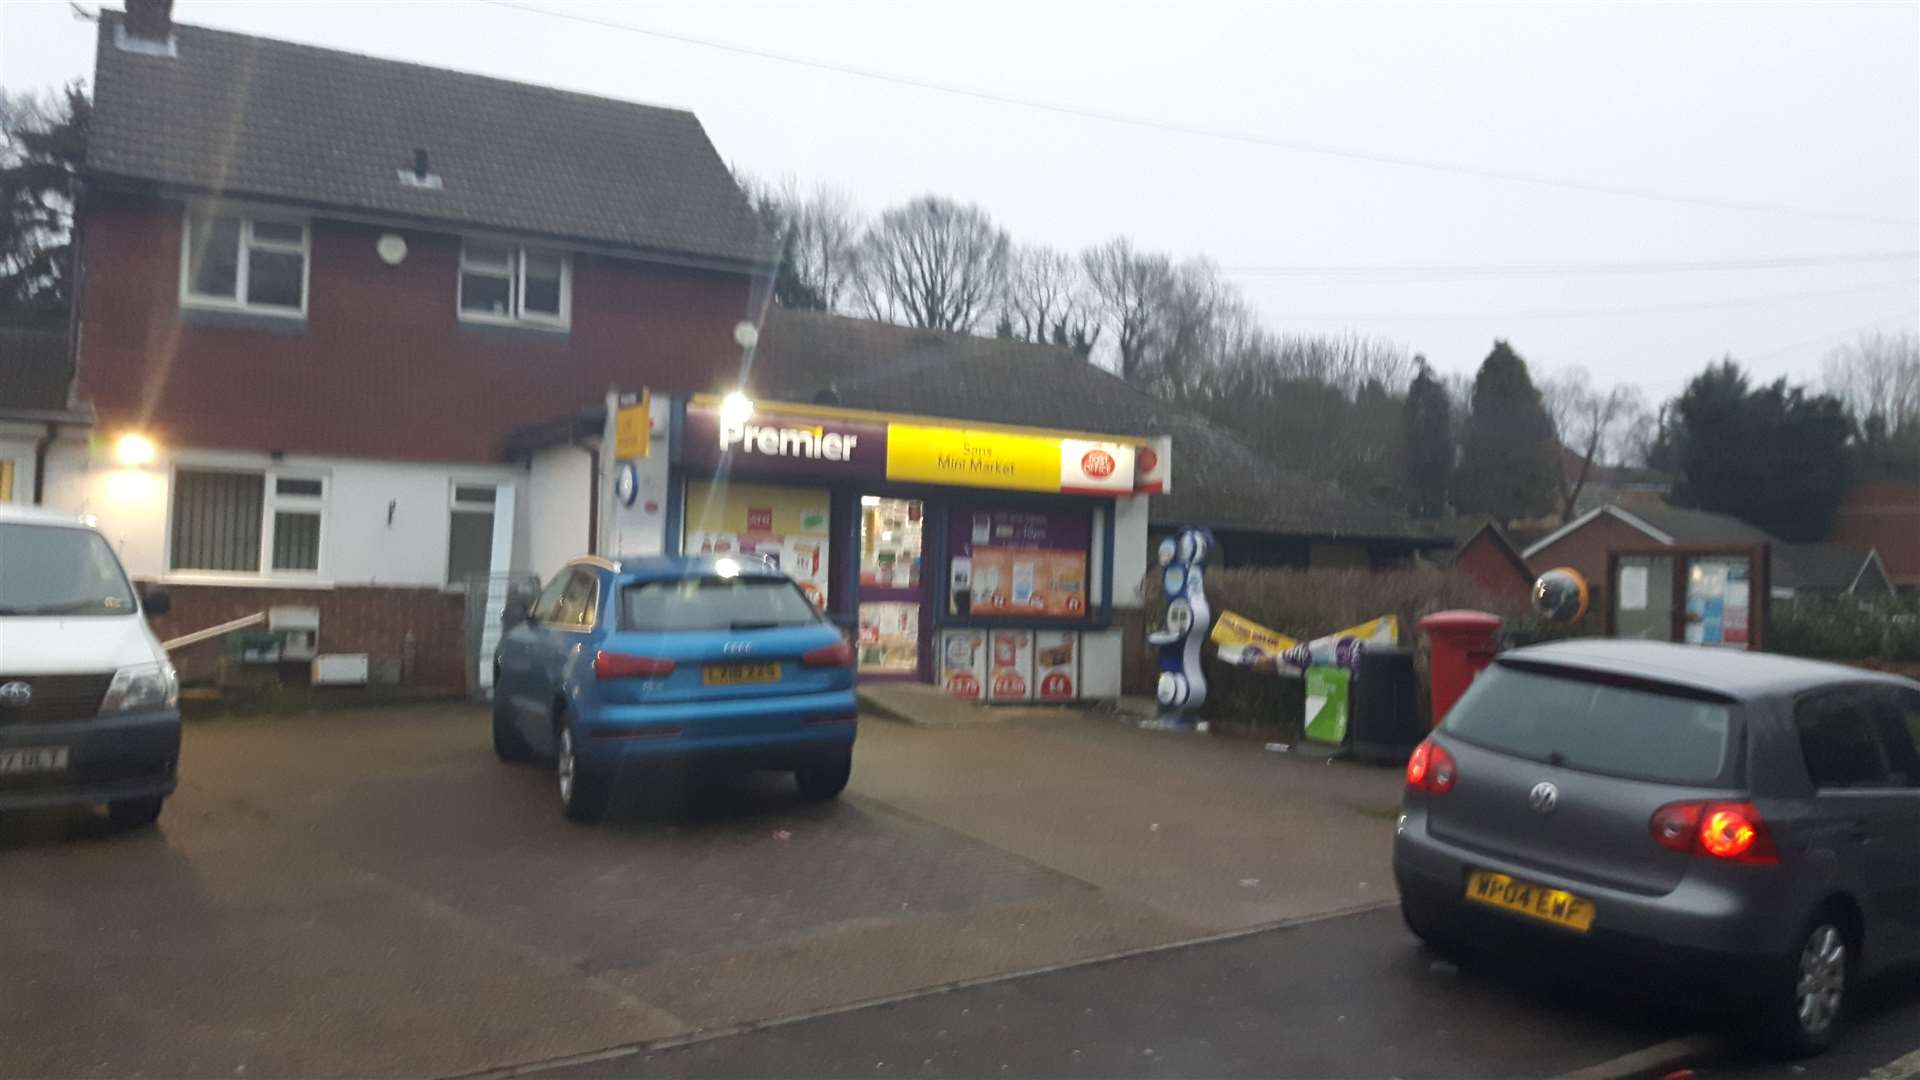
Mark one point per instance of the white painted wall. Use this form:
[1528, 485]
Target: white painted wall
[383, 522]
[1100, 664]
[1129, 551]
[558, 514]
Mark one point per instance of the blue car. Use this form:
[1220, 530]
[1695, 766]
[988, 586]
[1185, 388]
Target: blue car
[674, 661]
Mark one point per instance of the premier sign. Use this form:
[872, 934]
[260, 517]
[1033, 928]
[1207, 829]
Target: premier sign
[771, 440]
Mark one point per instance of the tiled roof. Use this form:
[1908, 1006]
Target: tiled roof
[34, 370]
[1218, 481]
[255, 117]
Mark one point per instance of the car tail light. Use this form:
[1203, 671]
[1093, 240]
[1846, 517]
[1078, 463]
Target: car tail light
[1715, 830]
[613, 665]
[838, 654]
[1432, 769]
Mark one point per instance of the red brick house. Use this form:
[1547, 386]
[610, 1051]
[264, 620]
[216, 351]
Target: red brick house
[322, 288]
[1884, 515]
[1489, 560]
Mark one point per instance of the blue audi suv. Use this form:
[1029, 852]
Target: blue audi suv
[620, 666]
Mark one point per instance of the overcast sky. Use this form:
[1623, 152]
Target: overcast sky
[1797, 105]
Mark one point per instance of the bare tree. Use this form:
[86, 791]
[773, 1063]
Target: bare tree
[826, 237]
[1128, 288]
[1588, 423]
[1047, 300]
[932, 262]
[1879, 375]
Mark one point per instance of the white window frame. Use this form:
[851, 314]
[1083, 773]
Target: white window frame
[456, 506]
[516, 287]
[271, 503]
[191, 299]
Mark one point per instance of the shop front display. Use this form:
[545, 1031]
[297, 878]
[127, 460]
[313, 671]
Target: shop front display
[960, 554]
[786, 526]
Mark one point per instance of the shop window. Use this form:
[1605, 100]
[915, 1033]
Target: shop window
[890, 536]
[245, 264]
[1018, 563]
[245, 522]
[786, 527]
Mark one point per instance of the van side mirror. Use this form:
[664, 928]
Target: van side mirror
[156, 601]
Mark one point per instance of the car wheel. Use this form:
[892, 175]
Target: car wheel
[582, 795]
[508, 743]
[826, 779]
[1808, 1001]
[134, 813]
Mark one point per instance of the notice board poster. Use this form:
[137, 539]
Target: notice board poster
[1056, 665]
[1719, 602]
[788, 526]
[1011, 676]
[963, 663]
[1019, 563]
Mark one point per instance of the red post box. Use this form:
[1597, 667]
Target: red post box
[1459, 647]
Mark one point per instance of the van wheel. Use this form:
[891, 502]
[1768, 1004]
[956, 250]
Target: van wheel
[583, 794]
[825, 780]
[508, 743]
[1807, 1002]
[134, 813]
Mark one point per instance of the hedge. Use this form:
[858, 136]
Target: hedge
[1846, 628]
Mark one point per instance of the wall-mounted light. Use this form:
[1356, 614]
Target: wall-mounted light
[736, 408]
[135, 449]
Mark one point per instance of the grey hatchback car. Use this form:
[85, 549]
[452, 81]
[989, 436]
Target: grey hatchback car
[1743, 824]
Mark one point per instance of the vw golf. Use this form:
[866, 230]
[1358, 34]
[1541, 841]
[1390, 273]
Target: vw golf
[1744, 823]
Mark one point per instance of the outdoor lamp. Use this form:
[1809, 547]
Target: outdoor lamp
[134, 448]
[736, 408]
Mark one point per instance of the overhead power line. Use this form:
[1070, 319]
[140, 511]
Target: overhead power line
[1586, 313]
[1573, 269]
[1226, 134]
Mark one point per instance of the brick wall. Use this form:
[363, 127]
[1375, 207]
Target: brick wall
[381, 366]
[423, 631]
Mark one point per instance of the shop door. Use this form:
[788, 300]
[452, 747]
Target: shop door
[893, 587]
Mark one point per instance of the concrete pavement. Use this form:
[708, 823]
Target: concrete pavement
[1340, 997]
[372, 894]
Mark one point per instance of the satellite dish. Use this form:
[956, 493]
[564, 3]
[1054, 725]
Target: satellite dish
[391, 247]
[1560, 595]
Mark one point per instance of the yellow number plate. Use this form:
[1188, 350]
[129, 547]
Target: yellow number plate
[1535, 901]
[739, 674]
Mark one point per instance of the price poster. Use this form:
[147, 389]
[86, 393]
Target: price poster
[1019, 563]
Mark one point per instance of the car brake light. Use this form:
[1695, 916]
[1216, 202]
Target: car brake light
[1432, 769]
[613, 665]
[838, 654]
[1731, 831]
[1441, 772]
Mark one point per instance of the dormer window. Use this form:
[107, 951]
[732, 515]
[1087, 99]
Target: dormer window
[506, 283]
[242, 263]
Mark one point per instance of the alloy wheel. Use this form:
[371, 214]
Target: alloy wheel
[565, 765]
[1818, 993]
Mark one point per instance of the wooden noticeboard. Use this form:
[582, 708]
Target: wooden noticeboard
[1715, 595]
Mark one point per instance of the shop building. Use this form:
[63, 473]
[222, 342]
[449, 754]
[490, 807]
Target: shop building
[991, 559]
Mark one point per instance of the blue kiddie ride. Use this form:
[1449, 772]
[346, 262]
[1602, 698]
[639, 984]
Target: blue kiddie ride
[1183, 686]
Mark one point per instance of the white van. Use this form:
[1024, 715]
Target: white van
[89, 705]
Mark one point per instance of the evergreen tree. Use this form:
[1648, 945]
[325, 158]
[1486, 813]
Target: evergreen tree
[1508, 457]
[1428, 421]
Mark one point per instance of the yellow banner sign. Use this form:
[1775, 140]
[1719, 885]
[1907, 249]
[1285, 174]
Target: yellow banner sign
[633, 429]
[995, 459]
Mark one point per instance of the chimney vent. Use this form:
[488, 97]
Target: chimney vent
[421, 175]
[148, 28]
[420, 163]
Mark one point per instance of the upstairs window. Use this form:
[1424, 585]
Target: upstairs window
[504, 283]
[244, 263]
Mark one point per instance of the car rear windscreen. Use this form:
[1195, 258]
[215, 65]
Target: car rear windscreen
[714, 603]
[1594, 726]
